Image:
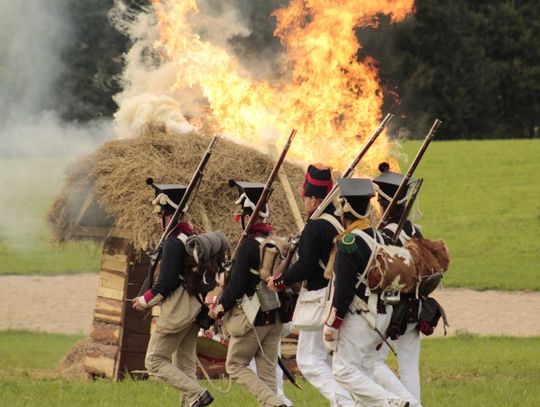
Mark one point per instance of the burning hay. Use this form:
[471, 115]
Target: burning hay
[107, 188]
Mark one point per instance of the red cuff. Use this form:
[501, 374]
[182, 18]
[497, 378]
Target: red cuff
[278, 282]
[148, 295]
[336, 323]
[333, 320]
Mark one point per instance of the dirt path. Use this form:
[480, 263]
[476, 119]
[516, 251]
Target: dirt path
[64, 304]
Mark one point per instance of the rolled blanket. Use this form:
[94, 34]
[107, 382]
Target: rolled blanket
[206, 245]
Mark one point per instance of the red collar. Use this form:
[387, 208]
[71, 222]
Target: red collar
[184, 228]
[260, 228]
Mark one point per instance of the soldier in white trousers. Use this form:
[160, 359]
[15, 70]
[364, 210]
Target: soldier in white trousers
[349, 329]
[407, 343]
[314, 248]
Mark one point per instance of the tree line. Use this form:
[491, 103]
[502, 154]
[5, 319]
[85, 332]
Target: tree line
[474, 64]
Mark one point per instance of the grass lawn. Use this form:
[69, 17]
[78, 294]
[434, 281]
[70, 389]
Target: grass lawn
[29, 186]
[482, 198]
[457, 371]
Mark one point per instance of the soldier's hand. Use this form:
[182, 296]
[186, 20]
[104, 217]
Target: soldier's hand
[330, 338]
[270, 284]
[216, 311]
[137, 304]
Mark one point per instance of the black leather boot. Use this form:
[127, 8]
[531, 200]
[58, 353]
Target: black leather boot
[204, 400]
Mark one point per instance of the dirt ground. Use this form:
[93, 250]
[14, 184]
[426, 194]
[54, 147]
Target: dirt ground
[64, 304]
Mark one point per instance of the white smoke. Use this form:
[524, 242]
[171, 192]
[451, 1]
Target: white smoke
[34, 33]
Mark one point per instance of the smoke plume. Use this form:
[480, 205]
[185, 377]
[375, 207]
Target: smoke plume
[34, 34]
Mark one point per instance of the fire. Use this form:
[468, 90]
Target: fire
[328, 96]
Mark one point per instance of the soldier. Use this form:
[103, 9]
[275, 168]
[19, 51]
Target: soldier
[255, 330]
[408, 345]
[314, 249]
[349, 329]
[176, 330]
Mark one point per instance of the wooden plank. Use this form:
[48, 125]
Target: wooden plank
[118, 257]
[110, 319]
[137, 324]
[109, 306]
[95, 349]
[133, 342]
[100, 365]
[112, 265]
[133, 313]
[130, 361]
[105, 333]
[110, 293]
[108, 310]
[108, 279]
[132, 290]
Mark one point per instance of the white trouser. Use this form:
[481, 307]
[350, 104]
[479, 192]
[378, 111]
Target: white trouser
[408, 354]
[279, 380]
[316, 365]
[355, 360]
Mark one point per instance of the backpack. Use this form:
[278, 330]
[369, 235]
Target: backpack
[391, 269]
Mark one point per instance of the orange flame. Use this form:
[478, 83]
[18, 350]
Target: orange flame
[330, 98]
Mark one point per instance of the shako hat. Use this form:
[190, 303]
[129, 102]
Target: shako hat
[354, 196]
[167, 196]
[317, 182]
[249, 194]
[388, 182]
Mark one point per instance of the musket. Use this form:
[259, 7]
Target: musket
[288, 373]
[263, 199]
[405, 181]
[182, 208]
[284, 265]
[265, 195]
[407, 210]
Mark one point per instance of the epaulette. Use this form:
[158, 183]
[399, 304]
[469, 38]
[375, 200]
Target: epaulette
[347, 244]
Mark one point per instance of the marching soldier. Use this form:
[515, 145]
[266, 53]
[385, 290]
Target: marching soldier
[314, 249]
[176, 330]
[408, 345]
[349, 329]
[255, 330]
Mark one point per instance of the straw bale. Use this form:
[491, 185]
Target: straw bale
[116, 173]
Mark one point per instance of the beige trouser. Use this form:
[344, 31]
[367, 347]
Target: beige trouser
[182, 373]
[244, 348]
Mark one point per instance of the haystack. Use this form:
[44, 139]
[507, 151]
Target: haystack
[107, 188]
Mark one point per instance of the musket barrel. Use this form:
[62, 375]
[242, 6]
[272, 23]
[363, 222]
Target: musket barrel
[350, 169]
[412, 168]
[407, 210]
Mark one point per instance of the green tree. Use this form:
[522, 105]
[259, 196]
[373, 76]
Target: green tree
[474, 64]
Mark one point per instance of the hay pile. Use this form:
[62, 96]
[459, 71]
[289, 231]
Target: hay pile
[72, 364]
[116, 173]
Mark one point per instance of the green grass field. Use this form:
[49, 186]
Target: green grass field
[458, 371]
[480, 196]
